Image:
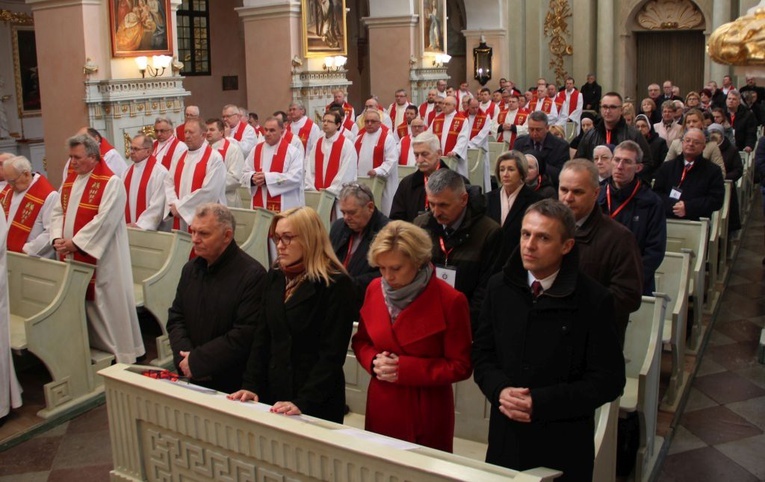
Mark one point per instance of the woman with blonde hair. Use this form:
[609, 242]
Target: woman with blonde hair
[303, 328]
[414, 339]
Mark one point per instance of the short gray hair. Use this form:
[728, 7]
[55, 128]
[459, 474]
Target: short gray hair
[222, 215]
[554, 209]
[167, 120]
[539, 116]
[583, 165]
[428, 138]
[20, 164]
[359, 191]
[91, 145]
[443, 179]
[145, 140]
[631, 146]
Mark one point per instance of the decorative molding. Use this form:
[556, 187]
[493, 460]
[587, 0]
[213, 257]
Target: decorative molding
[670, 15]
[384, 22]
[267, 12]
[556, 27]
[16, 18]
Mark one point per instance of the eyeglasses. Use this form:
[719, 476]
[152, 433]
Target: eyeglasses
[285, 239]
[610, 107]
[228, 116]
[133, 149]
[163, 130]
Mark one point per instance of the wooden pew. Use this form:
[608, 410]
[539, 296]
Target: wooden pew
[47, 304]
[251, 232]
[404, 171]
[451, 162]
[713, 260]
[606, 423]
[475, 168]
[376, 185]
[722, 265]
[642, 355]
[244, 195]
[692, 235]
[323, 202]
[156, 260]
[673, 279]
[495, 149]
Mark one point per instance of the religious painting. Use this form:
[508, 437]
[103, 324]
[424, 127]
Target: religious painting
[324, 28]
[433, 21]
[140, 27]
[25, 71]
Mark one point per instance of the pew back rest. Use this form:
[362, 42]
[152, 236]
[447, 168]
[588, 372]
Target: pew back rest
[495, 149]
[643, 338]
[149, 251]
[34, 283]
[376, 185]
[323, 202]
[404, 171]
[245, 197]
[673, 279]
[475, 168]
[691, 235]
[451, 162]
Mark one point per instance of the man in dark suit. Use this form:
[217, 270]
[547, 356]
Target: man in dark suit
[591, 92]
[743, 122]
[546, 368]
[690, 186]
[353, 233]
[551, 152]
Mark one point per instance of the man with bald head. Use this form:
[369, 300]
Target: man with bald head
[428, 108]
[241, 131]
[191, 112]
[302, 127]
[690, 186]
[451, 128]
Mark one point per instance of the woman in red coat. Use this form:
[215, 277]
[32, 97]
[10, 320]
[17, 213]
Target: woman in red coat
[414, 339]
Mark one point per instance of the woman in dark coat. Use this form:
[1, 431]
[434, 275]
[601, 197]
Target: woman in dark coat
[414, 339]
[734, 169]
[537, 182]
[301, 336]
[658, 146]
[508, 204]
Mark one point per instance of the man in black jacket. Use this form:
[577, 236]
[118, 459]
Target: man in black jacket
[353, 233]
[551, 152]
[591, 93]
[743, 122]
[212, 319]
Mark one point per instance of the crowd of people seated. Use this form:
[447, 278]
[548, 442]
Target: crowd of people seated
[526, 281]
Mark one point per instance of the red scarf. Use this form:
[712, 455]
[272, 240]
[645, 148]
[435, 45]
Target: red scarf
[140, 202]
[239, 133]
[478, 123]
[322, 181]
[431, 115]
[403, 158]
[454, 130]
[27, 212]
[200, 170]
[273, 203]
[379, 150]
[87, 210]
[489, 110]
[167, 159]
[392, 110]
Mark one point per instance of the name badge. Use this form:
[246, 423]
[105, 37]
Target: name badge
[675, 193]
[447, 274]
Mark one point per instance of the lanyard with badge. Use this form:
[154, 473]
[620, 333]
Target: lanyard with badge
[676, 192]
[624, 204]
[445, 272]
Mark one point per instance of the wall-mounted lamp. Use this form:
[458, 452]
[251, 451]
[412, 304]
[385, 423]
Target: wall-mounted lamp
[441, 59]
[158, 65]
[482, 62]
[334, 64]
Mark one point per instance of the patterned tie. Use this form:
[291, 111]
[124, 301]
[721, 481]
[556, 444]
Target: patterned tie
[536, 289]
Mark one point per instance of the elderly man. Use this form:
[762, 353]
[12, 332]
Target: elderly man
[550, 151]
[190, 112]
[352, 234]
[241, 131]
[591, 93]
[608, 251]
[743, 122]
[29, 227]
[631, 202]
[167, 148]
[466, 242]
[145, 186]
[428, 108]
[3, 157]
[302, 127]
[569, 103]
[109, 154]
[88, 225]
[690, 186]
[397, 109]
[546, 354]
[213, 316]
[511, 121]
[451, 128]
[199, 177]
[373, 104]
[480, 127]
[405, 152]
[274, 171]
[339, 100]
[333, 160]
[232, 157]
[378, 156]
[542, 102]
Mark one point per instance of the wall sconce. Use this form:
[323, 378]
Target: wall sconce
[334, 64]
[482, 62]
[158, 65]
[441, 59]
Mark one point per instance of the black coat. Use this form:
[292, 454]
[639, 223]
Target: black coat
[744, 128]
[659, 149]
[409, 200]
[734, 169]
[551, 158]
[299, 347]
[591, 94]
[563, 347]
[703, 190]
[213, 316]
[358, 267]
[621, 132]
[511, 230]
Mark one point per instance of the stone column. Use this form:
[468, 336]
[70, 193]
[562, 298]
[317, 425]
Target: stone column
[605, 43]
[392, 42]
[721, 13]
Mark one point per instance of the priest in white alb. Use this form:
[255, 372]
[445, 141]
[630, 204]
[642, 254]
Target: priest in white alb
[332, 162]
[232, 157]
[301, 126]
[109, 154]
[451, 128]
[480, 127]
[88, 225]
[10, 389]
[145, 186]
[378, 156]
[569, 103]
[167, 148]
[241, 131]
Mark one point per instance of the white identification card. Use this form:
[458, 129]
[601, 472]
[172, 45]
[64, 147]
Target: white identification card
[675, 193]
[447, 274]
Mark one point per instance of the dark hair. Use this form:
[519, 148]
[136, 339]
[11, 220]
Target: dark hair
[554, 209]
[217, 122]
[336, 116]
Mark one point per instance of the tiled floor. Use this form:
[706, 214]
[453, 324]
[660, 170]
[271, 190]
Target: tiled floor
[719, 437]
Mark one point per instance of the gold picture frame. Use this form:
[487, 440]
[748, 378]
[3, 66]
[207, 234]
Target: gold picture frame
[25, 71]
[433, 22]
[140, 27]
[325, 29]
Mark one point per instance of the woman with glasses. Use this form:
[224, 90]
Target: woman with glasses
[303, 328]
[414, 339]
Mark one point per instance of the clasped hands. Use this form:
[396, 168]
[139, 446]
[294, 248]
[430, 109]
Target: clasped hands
[64, 246]
[515, 404]
[385, 366]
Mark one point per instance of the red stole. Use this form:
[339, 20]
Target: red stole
[379, 149]
[402, 130]
[348, 123]
[560, 99]
[392, 110]
[200, 171]
[489, 110]
[105, 146]
[273, 203]
[478, 123]
[431, 115]
[454, 130]
[258, 130]
[167, 159]
[26, 215]
[180, 132]
[546, 105]
[403, 158]
[223, 150]
[140, 201]
[322, 181]
[305, 132]
[86, 210]
[520, 117]
[239, 133]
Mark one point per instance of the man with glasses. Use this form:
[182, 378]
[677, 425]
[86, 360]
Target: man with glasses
[191, 112]
[405, 152]
[551, 151]
[241, 131]
[453, 130]
[612, 130]
[378, 156]
[3, 157]
[145, 186]
[28, 202]
[167, 149]
[631, 202]
[372, 104]
[333, 160]
[690, 186]
[512, 120]
[352, 234]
